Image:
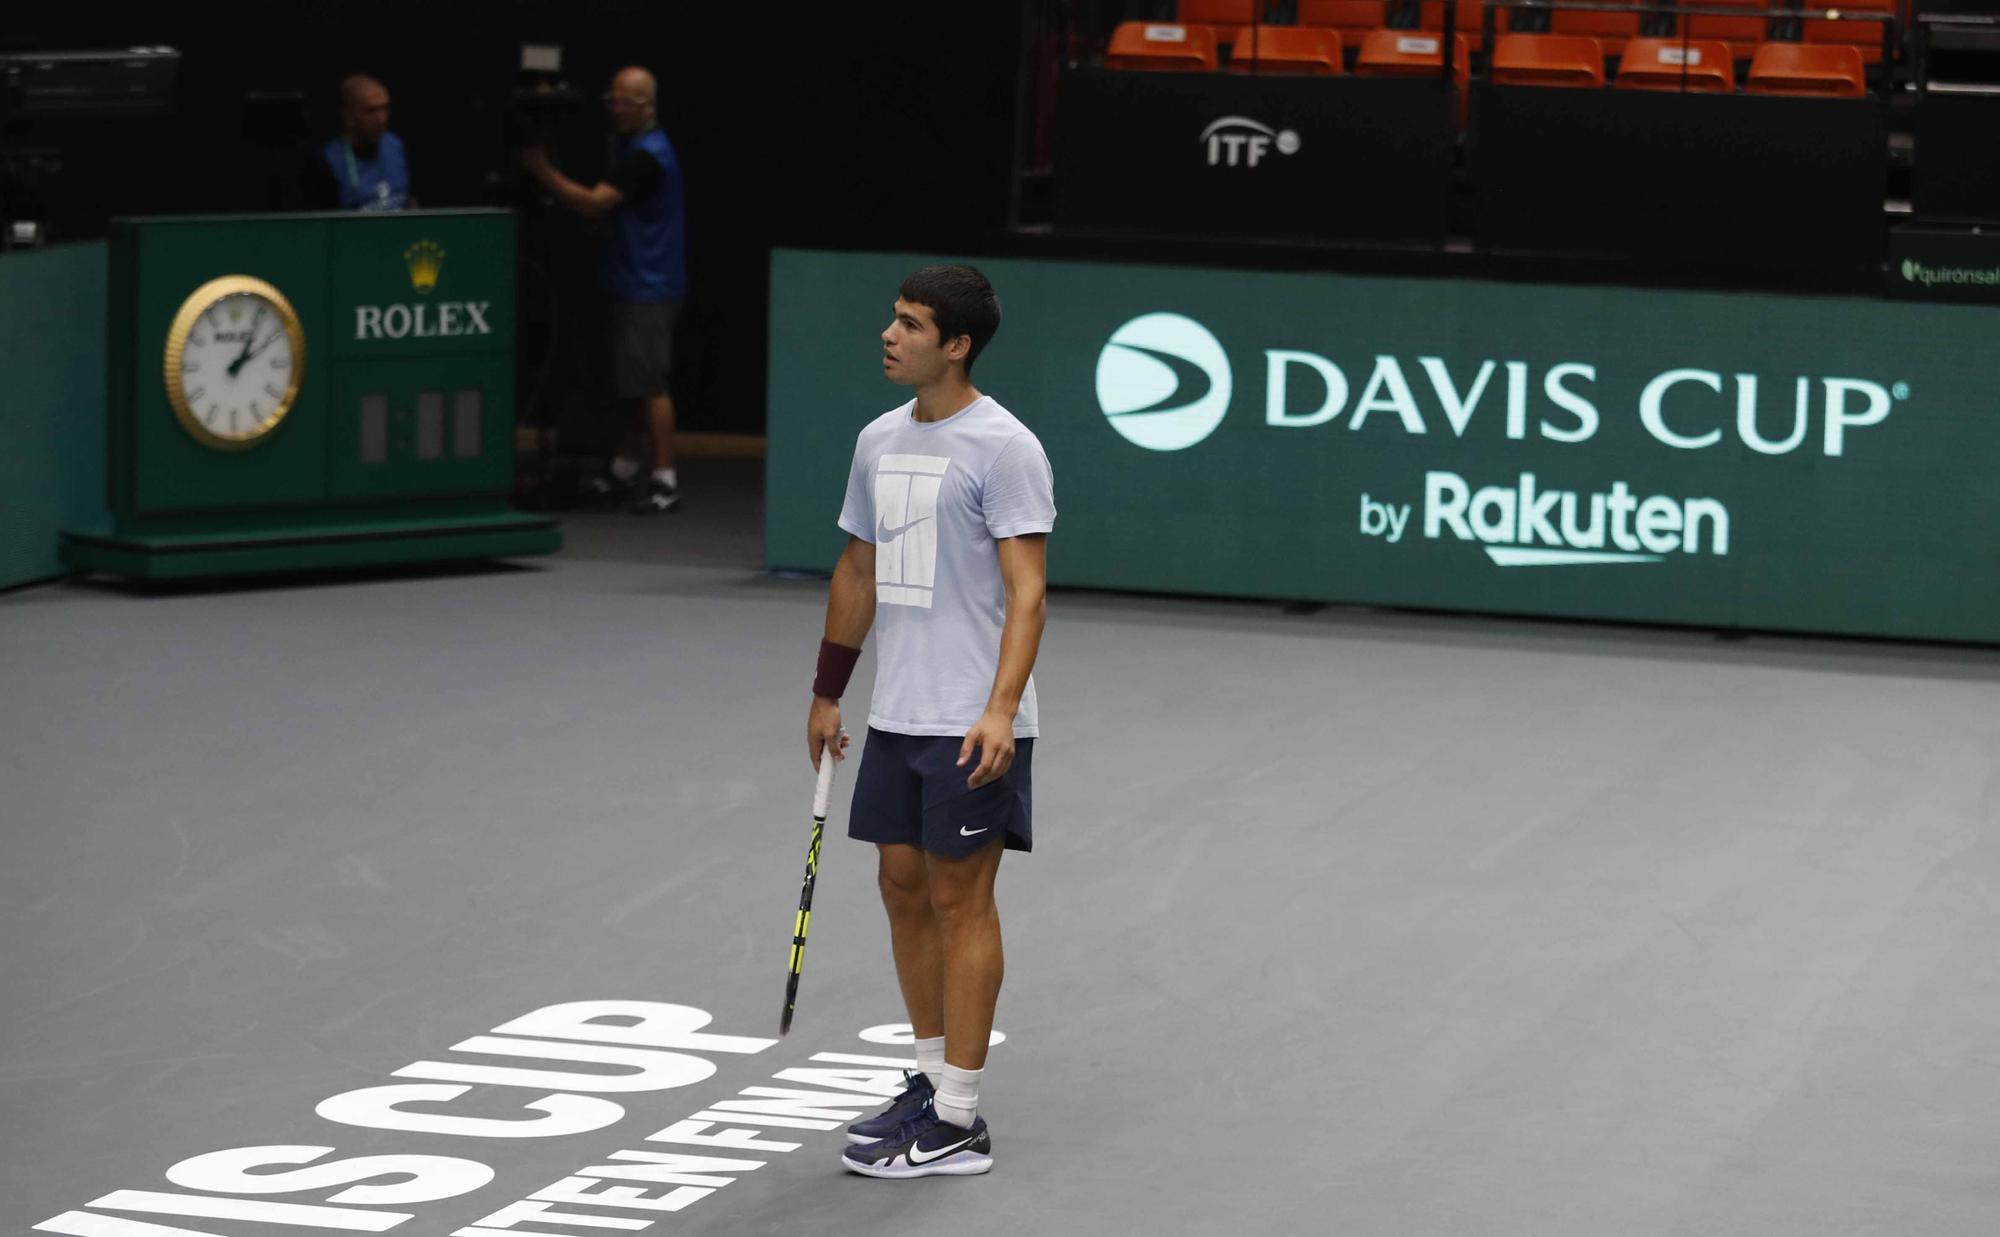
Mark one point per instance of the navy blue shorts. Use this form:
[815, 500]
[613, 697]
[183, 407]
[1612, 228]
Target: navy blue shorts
[911, 792]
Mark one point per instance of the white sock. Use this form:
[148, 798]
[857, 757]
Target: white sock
[957, 1099]
[930, 1058]
[666, 476]
[624, 469]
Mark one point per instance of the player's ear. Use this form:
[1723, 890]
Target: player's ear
[959, 348]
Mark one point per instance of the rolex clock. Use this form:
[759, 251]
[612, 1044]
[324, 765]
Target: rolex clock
[229, 451]
[234, 359]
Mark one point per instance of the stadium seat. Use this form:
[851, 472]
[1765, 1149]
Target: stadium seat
[1547, 60]
[1808, 69]
[1669, 64]
[1161, 46]
[1287, 49]
[1353, 18]
[1610, 29]
[1864, 35]
[1415, 53]
[1430, 16]
[1408, 53]
[1743, 34]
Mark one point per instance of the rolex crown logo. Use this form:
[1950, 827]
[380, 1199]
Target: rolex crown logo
[424, 258]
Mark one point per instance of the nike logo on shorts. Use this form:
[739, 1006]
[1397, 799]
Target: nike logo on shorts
[966, 833]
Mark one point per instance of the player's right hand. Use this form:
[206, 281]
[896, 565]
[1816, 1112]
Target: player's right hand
[823, 732]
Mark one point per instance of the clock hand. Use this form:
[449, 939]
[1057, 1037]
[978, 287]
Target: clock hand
[267, 342]
[249, 352]
[247, 337]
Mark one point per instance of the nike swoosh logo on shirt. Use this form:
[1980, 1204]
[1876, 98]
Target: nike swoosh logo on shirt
[919, 1156]
[884, 533]
[966, 833]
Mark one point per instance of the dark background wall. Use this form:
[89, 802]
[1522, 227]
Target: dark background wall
[842, 126]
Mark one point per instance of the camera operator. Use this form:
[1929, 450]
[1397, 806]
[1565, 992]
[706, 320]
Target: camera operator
[642, 272]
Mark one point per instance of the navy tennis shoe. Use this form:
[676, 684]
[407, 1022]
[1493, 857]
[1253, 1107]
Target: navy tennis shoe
[916, 1097]
[925, 1146]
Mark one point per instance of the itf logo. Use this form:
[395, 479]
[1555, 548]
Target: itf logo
[906, 491]
[1238, 141]
[1163, 382]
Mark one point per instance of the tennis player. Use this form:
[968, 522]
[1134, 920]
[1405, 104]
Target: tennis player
[949, 504]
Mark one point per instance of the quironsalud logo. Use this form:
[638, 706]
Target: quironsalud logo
[425, 259]
[1163, 381]
[1978, 276]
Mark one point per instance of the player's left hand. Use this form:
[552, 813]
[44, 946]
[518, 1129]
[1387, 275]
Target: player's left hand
[993, 736]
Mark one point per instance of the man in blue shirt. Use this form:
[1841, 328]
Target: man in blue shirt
[642, 272]
[366, 160]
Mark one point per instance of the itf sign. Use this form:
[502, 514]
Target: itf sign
[1764, 462]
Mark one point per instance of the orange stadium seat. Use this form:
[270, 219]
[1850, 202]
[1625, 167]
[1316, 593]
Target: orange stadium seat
[1415, 53]
[1669, 64]
[1408, 53]
[1743, 34]
[1808, 69]
[1353, 18]
[1430, 16]
[1548, 60]
[1287, 49]
[1864, 35]
[1610, 29]
[1150, 45]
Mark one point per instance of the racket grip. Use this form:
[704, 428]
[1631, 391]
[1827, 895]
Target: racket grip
[823, 790]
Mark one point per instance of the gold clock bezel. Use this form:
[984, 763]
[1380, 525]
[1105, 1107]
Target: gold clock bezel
[198, 303]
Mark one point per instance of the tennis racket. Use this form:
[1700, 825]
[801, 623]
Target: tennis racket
[822, 800]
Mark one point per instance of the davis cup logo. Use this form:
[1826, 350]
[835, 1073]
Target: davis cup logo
[1163, 382]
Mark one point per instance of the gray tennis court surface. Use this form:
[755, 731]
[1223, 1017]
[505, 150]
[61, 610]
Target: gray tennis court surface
[1344, 922]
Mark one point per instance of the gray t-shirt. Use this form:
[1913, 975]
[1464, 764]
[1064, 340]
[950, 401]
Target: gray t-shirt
[934, 498]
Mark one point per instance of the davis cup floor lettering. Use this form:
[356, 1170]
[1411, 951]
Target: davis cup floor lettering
[832, 1090]
[733, 1123]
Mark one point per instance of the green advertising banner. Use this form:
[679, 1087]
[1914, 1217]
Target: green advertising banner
[52, 305]
[1791, 463]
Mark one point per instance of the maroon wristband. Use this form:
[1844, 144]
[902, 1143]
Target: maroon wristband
[836, 665]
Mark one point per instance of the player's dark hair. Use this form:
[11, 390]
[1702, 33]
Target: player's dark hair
[961, 303]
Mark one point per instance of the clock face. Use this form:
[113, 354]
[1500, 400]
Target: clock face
[233, 361]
